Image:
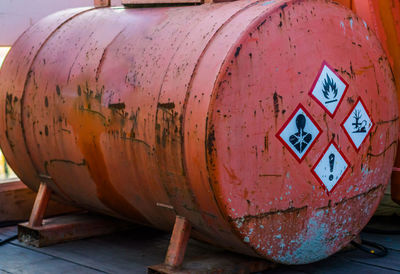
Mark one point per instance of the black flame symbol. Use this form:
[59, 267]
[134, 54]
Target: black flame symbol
[330, 90]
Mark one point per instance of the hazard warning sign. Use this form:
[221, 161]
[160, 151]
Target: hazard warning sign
[328, 89]
[330, 167]
[299, 133]
[357, 124]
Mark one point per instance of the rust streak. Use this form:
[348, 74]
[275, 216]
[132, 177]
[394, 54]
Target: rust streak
[359, 195]
[88, 129]
[383, 152]
[270, 175]
[136, 140]
[169, 105]
[116, 106]
[83, 163]
[248, 218]
[93, 111]
[388, 121]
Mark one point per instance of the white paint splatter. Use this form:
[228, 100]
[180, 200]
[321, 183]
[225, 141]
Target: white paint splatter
[268, 3]
[342, 26]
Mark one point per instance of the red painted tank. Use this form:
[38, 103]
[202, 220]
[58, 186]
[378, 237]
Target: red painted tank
[384, 17]
[270, 125]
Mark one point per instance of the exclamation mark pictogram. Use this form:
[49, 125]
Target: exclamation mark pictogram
[331, 165]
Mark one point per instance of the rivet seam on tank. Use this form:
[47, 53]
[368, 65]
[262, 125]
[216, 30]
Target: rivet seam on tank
[328, 89]
[299, 133]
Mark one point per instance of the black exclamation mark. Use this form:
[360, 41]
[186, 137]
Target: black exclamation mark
[331, 164]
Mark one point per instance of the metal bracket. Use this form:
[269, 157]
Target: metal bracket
[40, 205]
[178, 242]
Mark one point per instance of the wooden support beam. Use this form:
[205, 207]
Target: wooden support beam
[213, 261]
[102, 3]
[155, 2]
[69, 228]
[40, 205]
[16, 202]
[178, 243]
[167, 2]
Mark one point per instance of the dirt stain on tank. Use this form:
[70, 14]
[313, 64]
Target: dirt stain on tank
[89, 124]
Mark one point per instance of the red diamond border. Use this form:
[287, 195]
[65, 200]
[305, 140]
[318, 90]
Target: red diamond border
[324, 63]
[347, 117]
[300, 106]
[320, 158]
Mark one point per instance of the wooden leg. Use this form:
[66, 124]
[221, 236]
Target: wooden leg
[40, 205]
[178, 242]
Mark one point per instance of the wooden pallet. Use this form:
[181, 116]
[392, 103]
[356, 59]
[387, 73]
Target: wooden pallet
[16, 201]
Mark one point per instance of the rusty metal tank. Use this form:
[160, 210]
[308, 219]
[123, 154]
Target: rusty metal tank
[270, 125]
[384, 18]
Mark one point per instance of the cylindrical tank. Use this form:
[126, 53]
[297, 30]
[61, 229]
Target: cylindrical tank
[384, 17]
[270, 125]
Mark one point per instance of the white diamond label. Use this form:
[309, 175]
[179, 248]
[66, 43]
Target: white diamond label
[299, 133]
[358, 124]
[330, 168]
[328, 89]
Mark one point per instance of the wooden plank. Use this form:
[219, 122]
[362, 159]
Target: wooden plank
[215, 262]
[387, 207]
[9, 231]
[15, 259]
[102, 3]
[69, 228]
[332, 265]
[53, 265]
[154, 2]
[16, 202]
[128, 251]
[384, 224]
[11, 184]
[131, 251]
[389, 241]
[389, 262]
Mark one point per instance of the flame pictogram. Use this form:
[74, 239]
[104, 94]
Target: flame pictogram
[330, 89]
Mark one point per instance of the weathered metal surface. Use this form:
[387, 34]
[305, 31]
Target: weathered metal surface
[384, 18]
[24, 50]
[128, 109]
